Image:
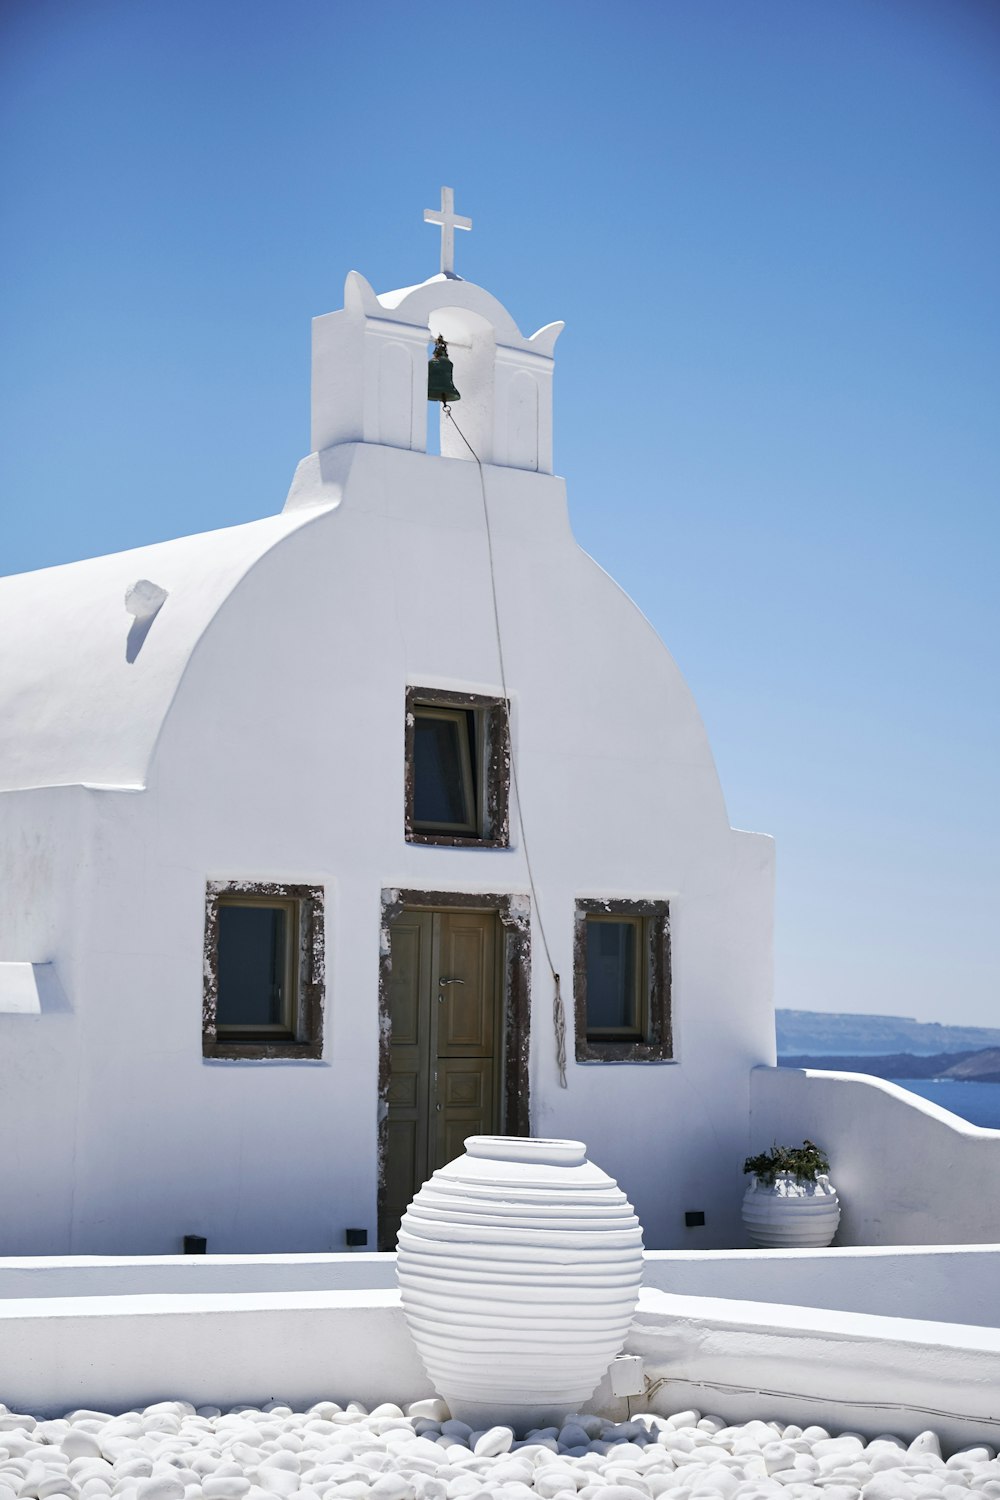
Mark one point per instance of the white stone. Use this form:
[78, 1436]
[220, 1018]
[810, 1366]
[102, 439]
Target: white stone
[512, 1469]
[620, 1492]
[463, 1484]
[160, 1487]
[778, 1455]
[891, 1484]
[844, 1444]
[551, 1481]
[433, 1408]
[856, 1474]
[162, 1421]
[277, 1481]
[52, 1430]
[79, 1444]
[392, 1487]
[926, 1442]
[57, 1484]
[493, 1442]
[281, 1459]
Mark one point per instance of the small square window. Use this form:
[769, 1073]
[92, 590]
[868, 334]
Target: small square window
[622, 981]
[263, 971]
[457, 769]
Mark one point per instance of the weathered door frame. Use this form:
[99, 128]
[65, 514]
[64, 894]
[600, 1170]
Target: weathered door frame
[514, 913]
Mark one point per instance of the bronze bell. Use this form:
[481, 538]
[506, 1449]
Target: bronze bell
[440, 375]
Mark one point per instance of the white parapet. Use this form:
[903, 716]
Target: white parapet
[907, 1171]
[840, 1370]
[114, 1353]
[732, 1337]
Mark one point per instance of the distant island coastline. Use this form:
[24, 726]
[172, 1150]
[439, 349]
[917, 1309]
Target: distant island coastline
[960, 1067]
[887, 1046]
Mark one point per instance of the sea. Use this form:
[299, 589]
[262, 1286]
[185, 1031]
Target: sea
[979, 1103]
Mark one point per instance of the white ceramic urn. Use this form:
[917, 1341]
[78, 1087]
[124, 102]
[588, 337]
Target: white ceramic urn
[519, 1266]
[791, 1214]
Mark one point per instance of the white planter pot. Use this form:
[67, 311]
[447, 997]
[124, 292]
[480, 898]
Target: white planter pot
[519, 1266]
[791, 1214]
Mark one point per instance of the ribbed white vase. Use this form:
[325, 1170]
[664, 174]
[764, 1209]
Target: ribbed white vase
[790, 1214]
[519, 1266]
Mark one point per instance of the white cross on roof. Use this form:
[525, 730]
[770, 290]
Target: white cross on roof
[449, 221]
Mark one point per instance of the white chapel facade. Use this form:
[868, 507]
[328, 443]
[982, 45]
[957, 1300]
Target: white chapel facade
[294, 839]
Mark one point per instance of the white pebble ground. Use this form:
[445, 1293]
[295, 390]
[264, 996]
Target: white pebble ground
[171, 1451]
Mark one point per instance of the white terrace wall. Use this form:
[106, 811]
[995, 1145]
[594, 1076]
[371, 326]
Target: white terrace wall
[908, 1172]
[116, 1334]
[846, 1371]
[949, 1284]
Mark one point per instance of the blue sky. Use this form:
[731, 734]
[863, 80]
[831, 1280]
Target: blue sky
[771, 227]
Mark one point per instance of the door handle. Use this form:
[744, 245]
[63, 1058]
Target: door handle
[444, 980]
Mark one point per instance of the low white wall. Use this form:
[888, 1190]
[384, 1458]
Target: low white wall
[116, 1275]
[844, 1371]
[740, 1357]
[948, 1284]
[907, 1171]
[113, 1353]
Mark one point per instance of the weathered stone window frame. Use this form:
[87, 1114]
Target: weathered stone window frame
[657, 1044]
[493, 768]
[514, 912]
[307, 1042]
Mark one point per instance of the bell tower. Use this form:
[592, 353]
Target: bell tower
[369, 367]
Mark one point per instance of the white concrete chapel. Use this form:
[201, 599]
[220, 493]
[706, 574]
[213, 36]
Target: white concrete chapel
[270, 942]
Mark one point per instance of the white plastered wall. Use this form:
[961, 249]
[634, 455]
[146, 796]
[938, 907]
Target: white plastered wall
[43, 867]
[281, 759]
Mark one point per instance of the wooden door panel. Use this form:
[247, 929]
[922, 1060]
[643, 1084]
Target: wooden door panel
[409, 935]
[466, 1014]
[465, 1094]
[409, 1140]
[443, 1048]
[404, 1088]
[464, 1085]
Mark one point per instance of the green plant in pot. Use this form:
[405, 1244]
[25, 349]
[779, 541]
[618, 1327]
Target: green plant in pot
[791, 1202]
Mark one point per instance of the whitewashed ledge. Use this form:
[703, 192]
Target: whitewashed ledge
[847, 1370]
[741, 1359]
[113, 1353]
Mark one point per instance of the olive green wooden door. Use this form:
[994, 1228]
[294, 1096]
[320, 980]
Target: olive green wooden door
[445, 1050]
